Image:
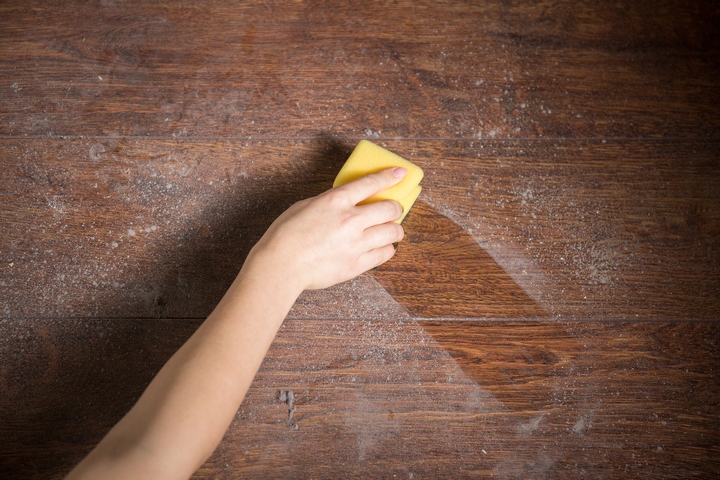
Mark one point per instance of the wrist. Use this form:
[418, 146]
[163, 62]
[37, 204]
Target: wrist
[257, 295]
[273, 273]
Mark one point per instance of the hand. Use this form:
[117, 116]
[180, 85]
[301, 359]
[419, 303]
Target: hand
[328, 239]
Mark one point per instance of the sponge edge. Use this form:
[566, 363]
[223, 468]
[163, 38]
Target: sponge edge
[408, 202]
[369, 158]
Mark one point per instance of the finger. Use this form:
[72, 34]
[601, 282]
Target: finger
[381, 235]
[377, 213]
[367, 186]
[375, 257]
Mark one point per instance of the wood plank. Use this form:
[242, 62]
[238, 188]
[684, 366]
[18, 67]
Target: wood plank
[65, 383]
[602, 229]
[380, 398]
[441, 271]
[145, 146]
[159, 228]
[378, 69]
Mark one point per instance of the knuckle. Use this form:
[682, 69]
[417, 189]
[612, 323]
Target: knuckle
[388, 209]
[391, 233]
[396, 209]
[354, 221]
[380, 256]
[391, 209]
[350, 221]
[337, 197]
[373, 182]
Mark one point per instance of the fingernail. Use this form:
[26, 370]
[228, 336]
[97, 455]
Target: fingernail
[400, 172]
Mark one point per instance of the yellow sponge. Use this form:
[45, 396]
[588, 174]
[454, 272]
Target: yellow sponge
[408, 202]
[369, 158]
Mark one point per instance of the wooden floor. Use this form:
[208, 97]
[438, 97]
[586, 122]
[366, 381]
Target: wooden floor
[554, 311]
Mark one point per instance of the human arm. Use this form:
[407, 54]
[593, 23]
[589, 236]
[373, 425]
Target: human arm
[182, 415]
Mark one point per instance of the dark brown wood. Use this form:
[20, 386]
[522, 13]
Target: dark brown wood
[572, 159]
[400, 69]
[377, 399]
[66, 382]
[571, 229]
[441, 271]
[156, 228]
[600, 229]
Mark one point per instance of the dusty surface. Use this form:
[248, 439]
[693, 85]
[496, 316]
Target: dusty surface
[552, 312]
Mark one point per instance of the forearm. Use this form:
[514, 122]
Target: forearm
[182, 415]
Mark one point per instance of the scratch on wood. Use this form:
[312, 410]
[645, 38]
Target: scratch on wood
[288, 397]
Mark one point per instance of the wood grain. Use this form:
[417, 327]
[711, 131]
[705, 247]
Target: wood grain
[388, 69]
[376, 399]
[441, 271]
[66, 383]
[600, 229]
[577, 229]
[572, 165]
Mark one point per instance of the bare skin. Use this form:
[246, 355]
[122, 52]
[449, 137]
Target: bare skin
[184, 412]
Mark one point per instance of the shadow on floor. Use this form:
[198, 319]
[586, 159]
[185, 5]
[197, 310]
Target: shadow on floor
[439, 271]
[196, 275]
[66, 382]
